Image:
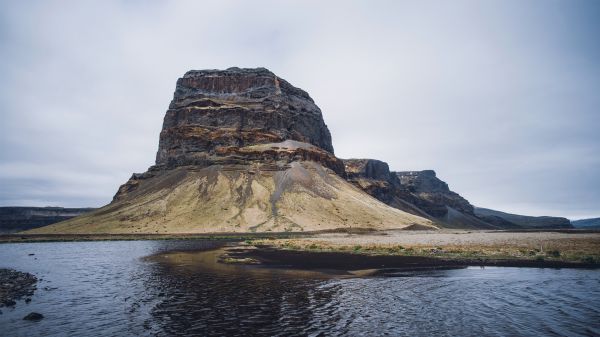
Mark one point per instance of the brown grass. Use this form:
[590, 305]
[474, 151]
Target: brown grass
[578, 248]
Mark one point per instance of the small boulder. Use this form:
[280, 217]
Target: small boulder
[33, 316]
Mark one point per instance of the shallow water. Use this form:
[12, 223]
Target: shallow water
[112, 288]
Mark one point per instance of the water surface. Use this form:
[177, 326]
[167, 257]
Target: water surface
[116, 289]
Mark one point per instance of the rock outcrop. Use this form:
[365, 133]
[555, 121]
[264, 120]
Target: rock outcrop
[241, 150]
[423, 193]
[16, 219]
[417, 192]
[216, 114]
[15, 285]
[374, 177]
[434, 194]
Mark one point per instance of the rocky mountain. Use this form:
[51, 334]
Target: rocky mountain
[16, 219]
[523, 221]
[240, 150]
[436, 199]
[423, 193]
[586, 223]
[417, 192]
[374, 177]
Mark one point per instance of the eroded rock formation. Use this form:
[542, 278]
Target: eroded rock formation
[374, 177]
[435, 195]
[417, 192]
[217, 112]
[240, 150]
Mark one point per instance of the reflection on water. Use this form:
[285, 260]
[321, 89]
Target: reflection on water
[114, 288]
[203, 296]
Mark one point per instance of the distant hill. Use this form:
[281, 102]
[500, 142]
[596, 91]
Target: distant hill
[524, 221]
[586, 223]
[16, 219]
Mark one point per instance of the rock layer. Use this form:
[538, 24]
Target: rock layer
[219, 111]
[416, 192]
[434, 194]
[374, 177]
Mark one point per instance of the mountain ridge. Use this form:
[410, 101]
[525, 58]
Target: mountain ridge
[423, 193]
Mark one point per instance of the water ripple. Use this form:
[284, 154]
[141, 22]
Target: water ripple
[109, 288]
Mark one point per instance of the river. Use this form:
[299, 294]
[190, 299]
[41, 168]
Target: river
[168, 288]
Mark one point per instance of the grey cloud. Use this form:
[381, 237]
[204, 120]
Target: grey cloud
[499, 97]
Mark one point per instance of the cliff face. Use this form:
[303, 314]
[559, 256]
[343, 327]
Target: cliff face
[417, 192]
[374, 177]
[423, 193]
[435, 195]
[216, 113]
[16, 219]
[240, 150]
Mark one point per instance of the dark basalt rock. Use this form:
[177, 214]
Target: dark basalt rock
[423, 193]
[374, 177]
[214, 109]
[433, 192]
[369, 169]
[417, 192]
[33, 316]
[15, 285]
[422, 181]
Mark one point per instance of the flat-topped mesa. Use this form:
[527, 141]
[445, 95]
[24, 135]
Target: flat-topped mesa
[217, 116]
[368, 168]
[422, 181]
[241, 150]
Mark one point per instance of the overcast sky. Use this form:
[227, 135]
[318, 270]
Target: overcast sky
[500, 98]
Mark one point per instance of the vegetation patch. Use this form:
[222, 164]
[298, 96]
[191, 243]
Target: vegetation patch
[581, 251]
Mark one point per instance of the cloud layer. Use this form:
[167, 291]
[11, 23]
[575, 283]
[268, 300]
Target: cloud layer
[499, 97]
